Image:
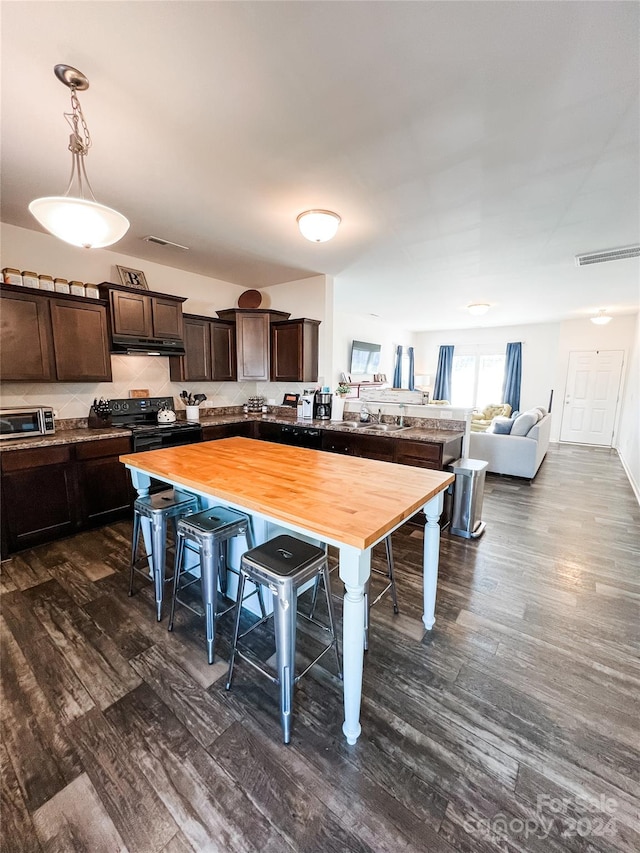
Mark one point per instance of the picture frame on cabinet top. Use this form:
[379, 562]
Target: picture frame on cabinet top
[132, 278]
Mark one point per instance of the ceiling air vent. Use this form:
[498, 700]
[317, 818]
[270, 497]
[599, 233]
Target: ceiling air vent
[608, 255]
[160, 242]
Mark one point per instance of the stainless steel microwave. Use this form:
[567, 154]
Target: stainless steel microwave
[25, 421]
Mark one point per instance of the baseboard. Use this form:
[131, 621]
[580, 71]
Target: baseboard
[627, 471]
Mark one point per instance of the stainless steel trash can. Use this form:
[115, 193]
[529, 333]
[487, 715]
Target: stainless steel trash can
[468, 492]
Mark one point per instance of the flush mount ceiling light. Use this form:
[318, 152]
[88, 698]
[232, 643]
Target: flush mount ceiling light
[478, 308]
[601, 318]
[318, 225]
[73, 218]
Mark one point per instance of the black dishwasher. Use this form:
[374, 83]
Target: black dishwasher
[301, 437]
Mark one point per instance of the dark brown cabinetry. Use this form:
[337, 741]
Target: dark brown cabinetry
[104, 484]
[53, 338]
[38, 496]
[436, 455]
[243, 428]
[141, 315]
[49, 492]
[294, 351]
[253, 341]
[210, 352]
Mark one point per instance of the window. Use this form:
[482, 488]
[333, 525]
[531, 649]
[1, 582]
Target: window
[477, 379]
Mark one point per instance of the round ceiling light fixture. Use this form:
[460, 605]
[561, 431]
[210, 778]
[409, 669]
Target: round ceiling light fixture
[601, 318]
[478, 308]
[318, 225]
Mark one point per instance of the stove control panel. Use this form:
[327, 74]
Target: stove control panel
[140, 405]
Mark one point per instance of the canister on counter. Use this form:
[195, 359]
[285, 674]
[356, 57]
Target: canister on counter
[30, 279]
[61, 285]
[77, 288]
[46, 282]
[91, 290]
[12, 276]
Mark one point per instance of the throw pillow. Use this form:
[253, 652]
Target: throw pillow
[524, 422]
[501, 426]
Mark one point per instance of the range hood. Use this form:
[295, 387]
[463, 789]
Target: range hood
[127, 345]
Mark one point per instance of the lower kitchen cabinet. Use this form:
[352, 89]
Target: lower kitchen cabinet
[243, 428]
[39, 496]
[49, 492]
[104, 484]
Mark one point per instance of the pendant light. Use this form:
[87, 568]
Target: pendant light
[318, 225]
[601, 318]
[73, 218]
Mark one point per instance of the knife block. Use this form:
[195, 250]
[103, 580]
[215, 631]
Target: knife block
[96, 421]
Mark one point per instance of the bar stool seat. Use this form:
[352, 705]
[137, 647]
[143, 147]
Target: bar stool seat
[284, 564]
[368, 604]
[209, 531]
[158, 508]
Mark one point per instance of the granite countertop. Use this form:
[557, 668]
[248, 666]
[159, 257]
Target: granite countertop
[80, 434]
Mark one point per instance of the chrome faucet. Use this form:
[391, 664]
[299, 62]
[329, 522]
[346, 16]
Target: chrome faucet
[379, 416]
[400, 418]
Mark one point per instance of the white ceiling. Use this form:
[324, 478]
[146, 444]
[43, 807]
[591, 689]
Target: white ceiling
[472, 149]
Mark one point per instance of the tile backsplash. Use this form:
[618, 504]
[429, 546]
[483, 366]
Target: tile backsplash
[73, 400]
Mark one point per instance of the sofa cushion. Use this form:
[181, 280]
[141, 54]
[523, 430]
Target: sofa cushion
[501, 426]
[524, 422]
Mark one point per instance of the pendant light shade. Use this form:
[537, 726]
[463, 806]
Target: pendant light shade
[75, 219]
[79, 221]
[318, 225]
[601, 318]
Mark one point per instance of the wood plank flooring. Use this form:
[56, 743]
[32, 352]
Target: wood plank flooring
[512, 726]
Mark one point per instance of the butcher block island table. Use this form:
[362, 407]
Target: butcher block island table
[349, 502]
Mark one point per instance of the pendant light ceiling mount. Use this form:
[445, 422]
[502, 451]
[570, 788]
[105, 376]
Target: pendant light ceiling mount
[75, 219]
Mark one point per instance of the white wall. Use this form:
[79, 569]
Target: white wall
[539, 348]
[629, 429]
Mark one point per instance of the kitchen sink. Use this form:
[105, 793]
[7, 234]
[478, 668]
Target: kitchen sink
[385, 427]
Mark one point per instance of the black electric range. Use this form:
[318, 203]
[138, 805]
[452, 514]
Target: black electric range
[140, 415]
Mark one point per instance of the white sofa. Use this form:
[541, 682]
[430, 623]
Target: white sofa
[519, 456]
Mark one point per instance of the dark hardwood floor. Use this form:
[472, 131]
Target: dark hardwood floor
[512, 726]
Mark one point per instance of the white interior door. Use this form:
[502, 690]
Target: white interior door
[591, 397]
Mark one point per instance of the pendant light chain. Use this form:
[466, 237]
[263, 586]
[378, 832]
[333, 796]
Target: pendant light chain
[78, 145]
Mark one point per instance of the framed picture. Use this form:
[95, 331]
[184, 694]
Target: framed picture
[132, 278]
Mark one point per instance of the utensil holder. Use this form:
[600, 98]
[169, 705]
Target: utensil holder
[193, 413]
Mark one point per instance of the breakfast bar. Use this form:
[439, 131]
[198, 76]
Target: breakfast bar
[348, 502]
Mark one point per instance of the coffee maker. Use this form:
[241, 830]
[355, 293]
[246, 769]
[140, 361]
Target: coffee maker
[322, 406]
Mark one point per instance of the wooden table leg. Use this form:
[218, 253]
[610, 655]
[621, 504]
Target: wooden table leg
[355, 568]
[432, 510]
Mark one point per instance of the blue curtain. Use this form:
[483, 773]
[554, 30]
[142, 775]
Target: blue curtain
[442, 387]
[512, 376]
[412, 379]
[397, 373]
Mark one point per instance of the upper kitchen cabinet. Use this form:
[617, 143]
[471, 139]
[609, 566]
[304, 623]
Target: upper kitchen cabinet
[27, 340]
[143, 320]
[210, 351]
[253, 340]
[53, 338]
[294, 351]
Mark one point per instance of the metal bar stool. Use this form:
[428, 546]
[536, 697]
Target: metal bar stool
[209, 531]
[368, 604]
[284, 564]
[158, 509]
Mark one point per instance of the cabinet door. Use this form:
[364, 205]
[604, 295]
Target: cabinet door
[104, 484]
[25, 330]
[223, 348]
[294, 351]
[216, 431]
[167, 318]
[80, 342]
[195, 364]
[374, 447]
[252, 331]
[338, 442]
[420, 454]
[39, 499]
[131, 313]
